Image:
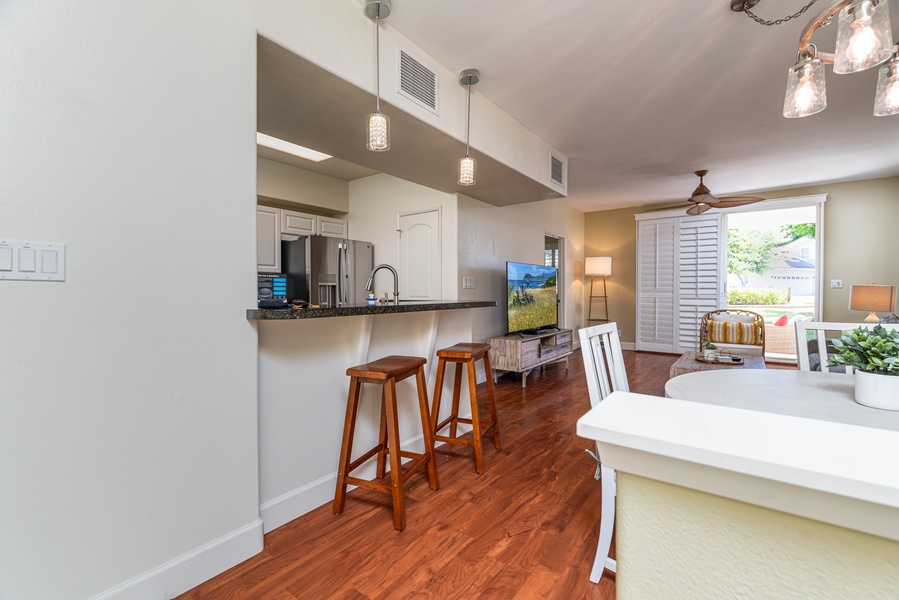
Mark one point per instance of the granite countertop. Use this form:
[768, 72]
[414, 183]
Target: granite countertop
[352, 310]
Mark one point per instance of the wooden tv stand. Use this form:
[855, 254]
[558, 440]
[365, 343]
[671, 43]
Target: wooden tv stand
[522, 353]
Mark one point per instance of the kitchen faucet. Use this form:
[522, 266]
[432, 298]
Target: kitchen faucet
[396, 282]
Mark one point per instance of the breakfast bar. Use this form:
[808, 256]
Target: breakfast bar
[303, 358]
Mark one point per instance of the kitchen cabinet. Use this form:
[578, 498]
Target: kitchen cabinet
[297, 223]
[268, 239]
[274, 224]
[331, 227]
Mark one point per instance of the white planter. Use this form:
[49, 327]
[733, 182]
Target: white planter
[708, 354]
[877, 391]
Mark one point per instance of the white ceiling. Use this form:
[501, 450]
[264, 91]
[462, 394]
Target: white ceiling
[638, 95]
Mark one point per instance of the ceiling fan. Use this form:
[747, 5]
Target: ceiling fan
[703, 200]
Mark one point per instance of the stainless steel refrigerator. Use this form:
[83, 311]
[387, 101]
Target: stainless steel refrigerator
[325, 270]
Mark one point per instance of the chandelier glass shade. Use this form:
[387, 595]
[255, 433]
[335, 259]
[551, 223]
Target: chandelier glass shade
[806, 88]
[864, 39]
[467, 170]
[886, 100]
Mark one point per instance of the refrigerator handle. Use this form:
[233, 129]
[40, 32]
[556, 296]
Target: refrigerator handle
[341, 293]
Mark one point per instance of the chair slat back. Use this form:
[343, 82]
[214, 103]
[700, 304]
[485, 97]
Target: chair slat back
[603, 361]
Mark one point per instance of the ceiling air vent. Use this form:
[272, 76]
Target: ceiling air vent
[417, 82]
[555, 170]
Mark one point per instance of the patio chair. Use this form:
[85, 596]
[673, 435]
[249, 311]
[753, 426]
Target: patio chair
[733, 329]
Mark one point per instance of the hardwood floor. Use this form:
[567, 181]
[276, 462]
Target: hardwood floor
[526, 528]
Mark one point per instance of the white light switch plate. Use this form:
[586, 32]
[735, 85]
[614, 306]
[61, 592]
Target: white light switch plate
[836, 284]
[468, 283]
[32, 261]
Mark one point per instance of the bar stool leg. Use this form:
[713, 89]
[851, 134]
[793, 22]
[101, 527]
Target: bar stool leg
[457, 389]
[491, 401]
[438, 392]
[427, 428]
[349, 428]
[475, 421]
[382, 440]
[393, 443]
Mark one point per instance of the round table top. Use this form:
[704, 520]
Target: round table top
[808, 394]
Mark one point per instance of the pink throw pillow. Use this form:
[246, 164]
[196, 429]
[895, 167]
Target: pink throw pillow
[781, 321]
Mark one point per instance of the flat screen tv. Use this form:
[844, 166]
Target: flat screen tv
[531, 297]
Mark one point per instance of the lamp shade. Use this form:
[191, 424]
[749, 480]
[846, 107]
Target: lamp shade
[872, 298]
[806, 88]
[886, 100]
[598, 265]
[864, 39]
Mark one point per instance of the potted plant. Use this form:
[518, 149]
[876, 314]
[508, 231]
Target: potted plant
[874, 355]
[708, 351]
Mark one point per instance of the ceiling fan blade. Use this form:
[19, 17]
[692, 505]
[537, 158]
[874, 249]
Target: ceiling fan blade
[669, 207]
[737, 201]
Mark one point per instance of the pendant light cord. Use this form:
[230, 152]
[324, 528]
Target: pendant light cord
[378, 61]
[468, 126]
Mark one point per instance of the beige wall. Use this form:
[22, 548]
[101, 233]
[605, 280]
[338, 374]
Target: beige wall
[614, 233]
[861, 245]
[286, 186]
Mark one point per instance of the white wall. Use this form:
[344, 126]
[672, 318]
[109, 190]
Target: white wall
[127, 392]
[376, 202]
[489, 236]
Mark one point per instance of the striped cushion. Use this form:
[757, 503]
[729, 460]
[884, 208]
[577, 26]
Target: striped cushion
[723, 332]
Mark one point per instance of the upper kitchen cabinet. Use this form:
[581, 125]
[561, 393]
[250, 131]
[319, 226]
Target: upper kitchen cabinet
[297, 223]
[268, 239]
[331, 227]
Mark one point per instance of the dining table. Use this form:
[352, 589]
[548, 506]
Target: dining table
[807, 394]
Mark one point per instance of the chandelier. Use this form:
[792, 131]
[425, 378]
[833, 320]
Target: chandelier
[864, 40]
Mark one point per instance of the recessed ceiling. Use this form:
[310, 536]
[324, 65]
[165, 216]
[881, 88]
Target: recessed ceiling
[302, 103]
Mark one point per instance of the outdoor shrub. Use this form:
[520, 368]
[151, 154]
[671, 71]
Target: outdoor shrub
[738, 297]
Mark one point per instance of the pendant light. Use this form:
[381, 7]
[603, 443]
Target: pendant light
[378, 139]
[468, 165]
[864, 39]
[806, 88]
[886, 100]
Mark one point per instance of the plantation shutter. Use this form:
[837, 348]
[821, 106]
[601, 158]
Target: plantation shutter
[700, 280]
[656, 256]
[680, 277]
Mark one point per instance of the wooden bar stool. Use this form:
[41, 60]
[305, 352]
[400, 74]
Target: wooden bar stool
[467, 354]
[386, 372]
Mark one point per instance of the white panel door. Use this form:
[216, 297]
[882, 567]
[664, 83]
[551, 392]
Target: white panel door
[419, 252]
[700, 277]
[656, 261]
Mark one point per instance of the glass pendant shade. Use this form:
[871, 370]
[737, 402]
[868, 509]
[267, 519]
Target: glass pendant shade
[467, 168]
[886, 100]
[378, 132]
[864, 39]
[806, 89]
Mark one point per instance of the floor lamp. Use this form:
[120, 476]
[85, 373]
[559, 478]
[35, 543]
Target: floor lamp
[598, 266]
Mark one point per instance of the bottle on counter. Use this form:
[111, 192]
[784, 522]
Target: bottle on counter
[371, 299]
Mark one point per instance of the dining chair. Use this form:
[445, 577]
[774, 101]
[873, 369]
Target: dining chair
[813, 352]
[604, 368]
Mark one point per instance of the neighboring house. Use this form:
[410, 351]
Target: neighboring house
[794, 268]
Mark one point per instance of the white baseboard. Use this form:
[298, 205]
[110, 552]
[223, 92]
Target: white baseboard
[298, 502]
[628, 346]
[190, 570]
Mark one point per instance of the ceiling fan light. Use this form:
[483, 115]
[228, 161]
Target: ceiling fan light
[886, 100]
[806, 88]
[864, 39]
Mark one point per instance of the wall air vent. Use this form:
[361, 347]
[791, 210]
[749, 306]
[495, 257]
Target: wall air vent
[418, 83]
[555, 170]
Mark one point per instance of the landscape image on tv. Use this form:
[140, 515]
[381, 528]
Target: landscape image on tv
[531, 296]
